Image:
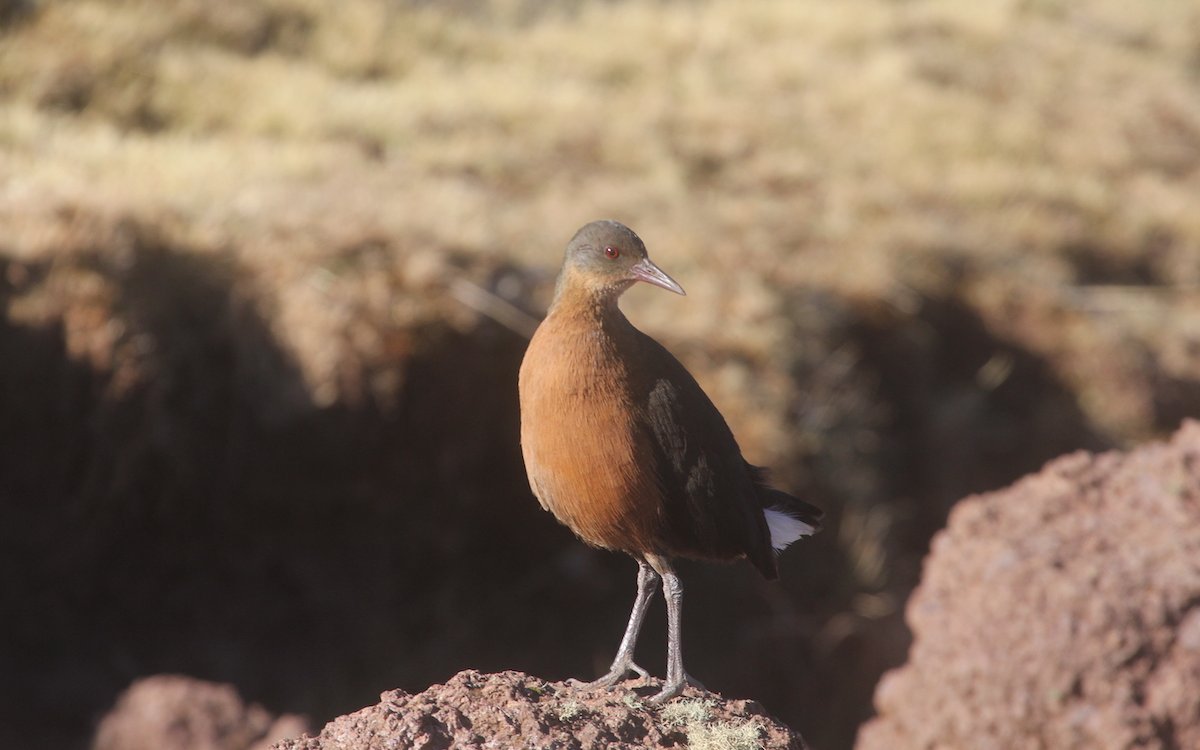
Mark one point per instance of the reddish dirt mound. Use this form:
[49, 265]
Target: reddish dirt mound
[511, 709]
[1061, 612]
[172, 712]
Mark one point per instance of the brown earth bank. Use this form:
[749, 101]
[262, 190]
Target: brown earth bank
[1061, 612]
[511, 709]
[188, 492]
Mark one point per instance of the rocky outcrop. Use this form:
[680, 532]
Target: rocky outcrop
[511, 709]
[1063, 611]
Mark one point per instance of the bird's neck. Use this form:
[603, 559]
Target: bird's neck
[575, 298]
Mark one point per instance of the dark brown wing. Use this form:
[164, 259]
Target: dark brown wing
[770, 497]
[711, 505]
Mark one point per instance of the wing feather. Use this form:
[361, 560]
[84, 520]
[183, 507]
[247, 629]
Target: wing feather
[710, 499]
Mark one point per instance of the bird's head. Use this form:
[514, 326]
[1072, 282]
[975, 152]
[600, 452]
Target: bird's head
[605, 258]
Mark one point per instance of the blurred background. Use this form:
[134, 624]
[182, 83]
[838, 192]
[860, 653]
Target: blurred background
[268, 269]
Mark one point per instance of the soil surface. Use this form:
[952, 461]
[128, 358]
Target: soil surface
[1062, 612]
[511, 709]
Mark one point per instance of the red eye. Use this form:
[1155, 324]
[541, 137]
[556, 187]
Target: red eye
[612, 253]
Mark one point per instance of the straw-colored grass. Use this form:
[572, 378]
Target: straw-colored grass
[1038, 161]
[816, 141]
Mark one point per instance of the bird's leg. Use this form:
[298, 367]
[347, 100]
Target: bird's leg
[677, 678]
[647, 583]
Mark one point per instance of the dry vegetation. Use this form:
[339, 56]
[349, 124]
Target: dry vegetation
[911, 232]
[1024, 153]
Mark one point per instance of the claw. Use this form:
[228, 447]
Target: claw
[623, 664]
[615, 675]
[674, 689]
[667, 693]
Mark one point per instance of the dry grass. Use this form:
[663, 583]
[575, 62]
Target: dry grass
[860, 146]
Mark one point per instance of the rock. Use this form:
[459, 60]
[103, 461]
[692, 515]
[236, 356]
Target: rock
[1063, 611]
[173, 712]
[512, 709]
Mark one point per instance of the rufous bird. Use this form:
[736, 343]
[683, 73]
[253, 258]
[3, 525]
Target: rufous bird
[624, 448]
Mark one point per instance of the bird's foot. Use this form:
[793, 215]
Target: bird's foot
[673, 689]
[615, 675]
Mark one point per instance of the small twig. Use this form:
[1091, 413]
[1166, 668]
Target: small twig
[495, 307]
[1117, 296]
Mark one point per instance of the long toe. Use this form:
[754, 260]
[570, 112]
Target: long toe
[669, 691]
[606, 681]
[694, 682]
[612, 678]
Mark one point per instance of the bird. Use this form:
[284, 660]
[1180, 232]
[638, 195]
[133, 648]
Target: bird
[624, 448]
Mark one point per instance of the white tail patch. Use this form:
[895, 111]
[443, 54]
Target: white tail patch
[785, 528]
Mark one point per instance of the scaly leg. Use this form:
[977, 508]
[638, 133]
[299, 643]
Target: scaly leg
[647, 583]
[677, 678]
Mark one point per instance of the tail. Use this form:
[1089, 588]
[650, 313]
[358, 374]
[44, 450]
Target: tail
[788, 517]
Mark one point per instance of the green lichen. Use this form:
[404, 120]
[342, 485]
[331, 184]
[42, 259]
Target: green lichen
[571, 710]
[685, 713]
[725, 735]
[695, 718]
